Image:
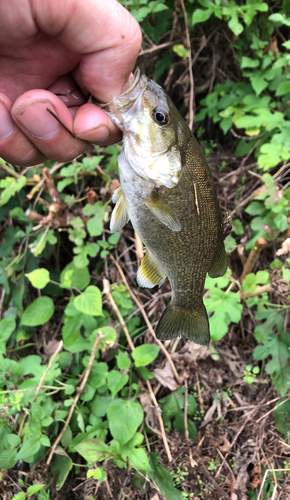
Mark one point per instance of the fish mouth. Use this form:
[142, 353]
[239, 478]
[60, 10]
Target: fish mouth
[123, 102]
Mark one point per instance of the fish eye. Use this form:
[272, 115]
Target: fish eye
[160, 116]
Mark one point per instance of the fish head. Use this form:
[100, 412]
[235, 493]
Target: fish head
[152, 130]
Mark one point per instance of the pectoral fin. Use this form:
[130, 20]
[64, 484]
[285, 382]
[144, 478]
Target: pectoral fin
[149, 273]
[220, 263]
[120, 215]
[163, 211]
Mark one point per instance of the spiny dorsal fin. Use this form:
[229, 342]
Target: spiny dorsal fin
[163, 211]
[120, 215]
[149, 273]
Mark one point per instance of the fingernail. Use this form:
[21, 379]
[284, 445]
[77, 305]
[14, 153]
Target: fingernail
[36, 119]
[6, 123]
[97, 135]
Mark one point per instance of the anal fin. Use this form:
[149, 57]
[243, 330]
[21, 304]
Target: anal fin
[149, 273]
[163, 211]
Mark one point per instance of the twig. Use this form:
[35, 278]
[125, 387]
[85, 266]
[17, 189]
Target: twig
[191, 95]
[270, 411]
[108, 487]
[140, 305]
[58, 349]
[203, 44]
[198, 386]
[53, 193]
[2, 300]
[106, 291]
[258, 291]
[169, 456]
[40, 183]
[214, 483]
[80, 391]
[235, 438]
[192, 462]
[9, 170]
[155, 48]
[253, 257]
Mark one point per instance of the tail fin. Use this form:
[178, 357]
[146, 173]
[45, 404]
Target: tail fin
[192, 325]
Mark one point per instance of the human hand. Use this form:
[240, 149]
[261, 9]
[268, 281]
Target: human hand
[53, 46]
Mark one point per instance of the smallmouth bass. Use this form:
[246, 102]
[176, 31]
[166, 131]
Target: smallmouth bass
[168, 192]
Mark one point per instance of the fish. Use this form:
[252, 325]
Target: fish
[168, 192]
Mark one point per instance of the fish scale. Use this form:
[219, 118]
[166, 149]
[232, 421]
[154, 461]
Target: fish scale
[168, 192]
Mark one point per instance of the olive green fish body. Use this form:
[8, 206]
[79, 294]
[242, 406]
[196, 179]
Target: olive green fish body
[180, 223]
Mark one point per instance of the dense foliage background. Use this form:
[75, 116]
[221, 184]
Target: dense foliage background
[82, 376]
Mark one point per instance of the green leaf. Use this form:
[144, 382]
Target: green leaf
[283, 88]
[259, 83]
[38, 312]
[60, 468]
[273, 320]
[100, 404]
[7, 327]
[179, 425]
[13, 440]
[116, 381]
[144, 373]
[279, 19]
[163, 479]
[19, 496]
[199, 16]
[41, 241]
[281, 415]
[123, 361]
[90, 301]
[226, 308]
[44, 440]
[8, 459]
[79, 277]
[234, 25]
[30, 448]
[247, 62]
[95, 224]
[34, 488]
[39, 277]
[252, 280]
[278, 365]
[180, 50]
[281, 380]
[136, 455]
[94, 450]
[124, 419]
[11, 186]
[144, 354]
